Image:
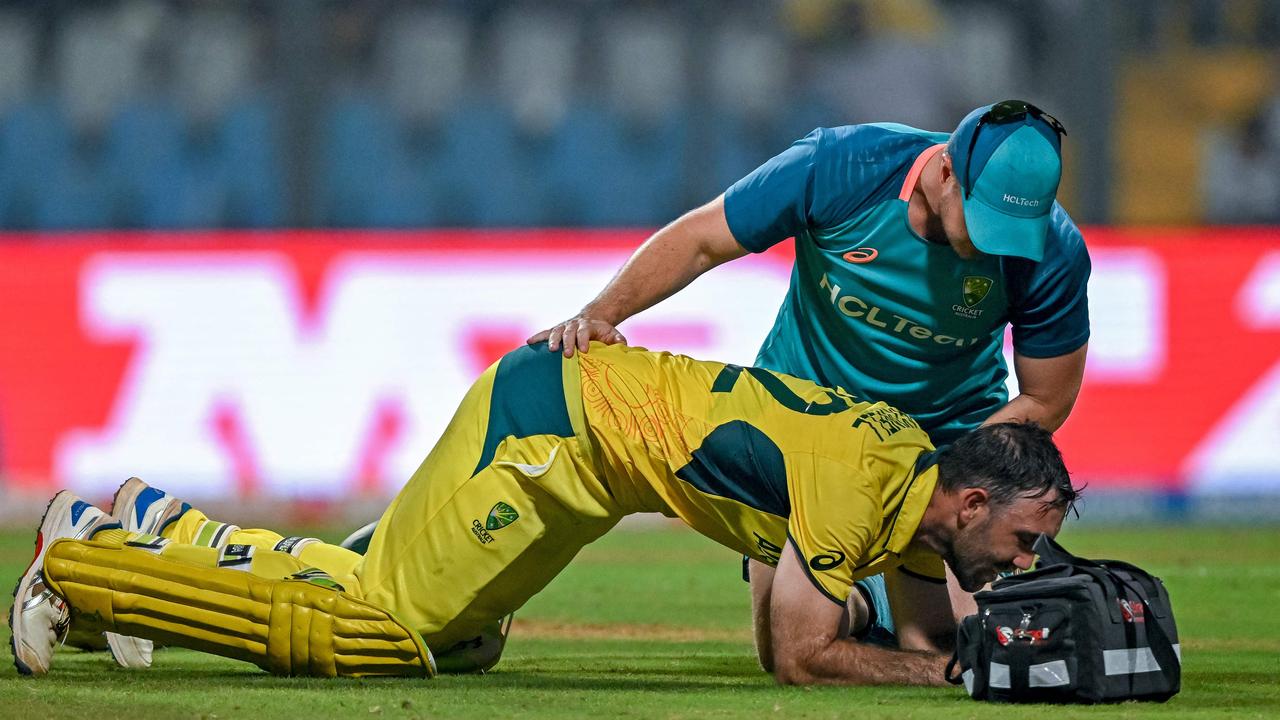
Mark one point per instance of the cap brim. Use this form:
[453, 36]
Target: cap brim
[996, 233]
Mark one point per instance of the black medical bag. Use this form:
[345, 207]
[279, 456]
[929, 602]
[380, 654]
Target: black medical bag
[1071, 631]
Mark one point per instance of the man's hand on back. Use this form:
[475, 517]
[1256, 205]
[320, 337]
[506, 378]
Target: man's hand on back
[576, 333]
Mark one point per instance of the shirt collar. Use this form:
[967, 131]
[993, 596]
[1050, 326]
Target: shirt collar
[919, 491]
[909, 185]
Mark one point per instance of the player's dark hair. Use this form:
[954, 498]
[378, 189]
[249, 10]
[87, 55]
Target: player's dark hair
[1010, 461]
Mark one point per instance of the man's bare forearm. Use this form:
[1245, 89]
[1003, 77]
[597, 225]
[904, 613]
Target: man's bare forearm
[847, 662]
[761, 577]
[1048, 388]
[666, 263]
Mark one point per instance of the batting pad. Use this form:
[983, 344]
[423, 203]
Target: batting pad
[286, 627]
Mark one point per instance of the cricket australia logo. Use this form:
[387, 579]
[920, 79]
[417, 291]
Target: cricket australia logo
[500, 516]
[973, 290]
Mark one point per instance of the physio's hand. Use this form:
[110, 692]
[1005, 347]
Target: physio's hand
[578, 332]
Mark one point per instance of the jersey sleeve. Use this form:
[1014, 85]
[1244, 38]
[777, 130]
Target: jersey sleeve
[771, 204]
[1051, 316]
[821, 181]
[835, 511]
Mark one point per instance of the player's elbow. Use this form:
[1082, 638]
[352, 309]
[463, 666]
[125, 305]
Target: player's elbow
[792, 668]
[787, 673]
[1053, 405]
[1059, 413]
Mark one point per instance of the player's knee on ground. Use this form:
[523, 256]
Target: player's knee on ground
[478, 654]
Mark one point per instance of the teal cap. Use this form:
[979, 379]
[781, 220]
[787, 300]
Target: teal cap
[1008, 160]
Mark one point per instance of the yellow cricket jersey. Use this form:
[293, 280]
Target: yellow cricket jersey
[752, 458]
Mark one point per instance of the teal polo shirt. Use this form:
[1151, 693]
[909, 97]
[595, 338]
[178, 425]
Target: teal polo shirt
[881, 312]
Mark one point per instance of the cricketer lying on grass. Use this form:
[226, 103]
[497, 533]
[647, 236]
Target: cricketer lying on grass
[545, 455]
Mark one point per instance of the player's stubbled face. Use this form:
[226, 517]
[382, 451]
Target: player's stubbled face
[999, 540]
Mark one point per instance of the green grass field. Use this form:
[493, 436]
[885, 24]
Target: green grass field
[655, 623]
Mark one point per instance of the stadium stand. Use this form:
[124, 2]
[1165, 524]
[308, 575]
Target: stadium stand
[18, 156]
[423, 113]
[389, 139]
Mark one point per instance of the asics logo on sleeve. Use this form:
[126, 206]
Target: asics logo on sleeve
[832, 558]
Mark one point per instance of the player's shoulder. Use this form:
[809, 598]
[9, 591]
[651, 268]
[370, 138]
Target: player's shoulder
[858, 167]
[873, 434]
[1065, 238]
[875, 143]
[1064, 252]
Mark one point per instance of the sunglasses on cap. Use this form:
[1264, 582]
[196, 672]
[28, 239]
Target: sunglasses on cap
[1007, 111]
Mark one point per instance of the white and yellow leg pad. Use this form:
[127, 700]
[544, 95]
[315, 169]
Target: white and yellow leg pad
[286, 627]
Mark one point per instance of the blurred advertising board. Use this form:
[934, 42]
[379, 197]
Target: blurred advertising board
[317, 365]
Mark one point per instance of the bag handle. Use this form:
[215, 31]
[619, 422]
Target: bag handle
[1139, 576]
[1051, 553]
[956, 678]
